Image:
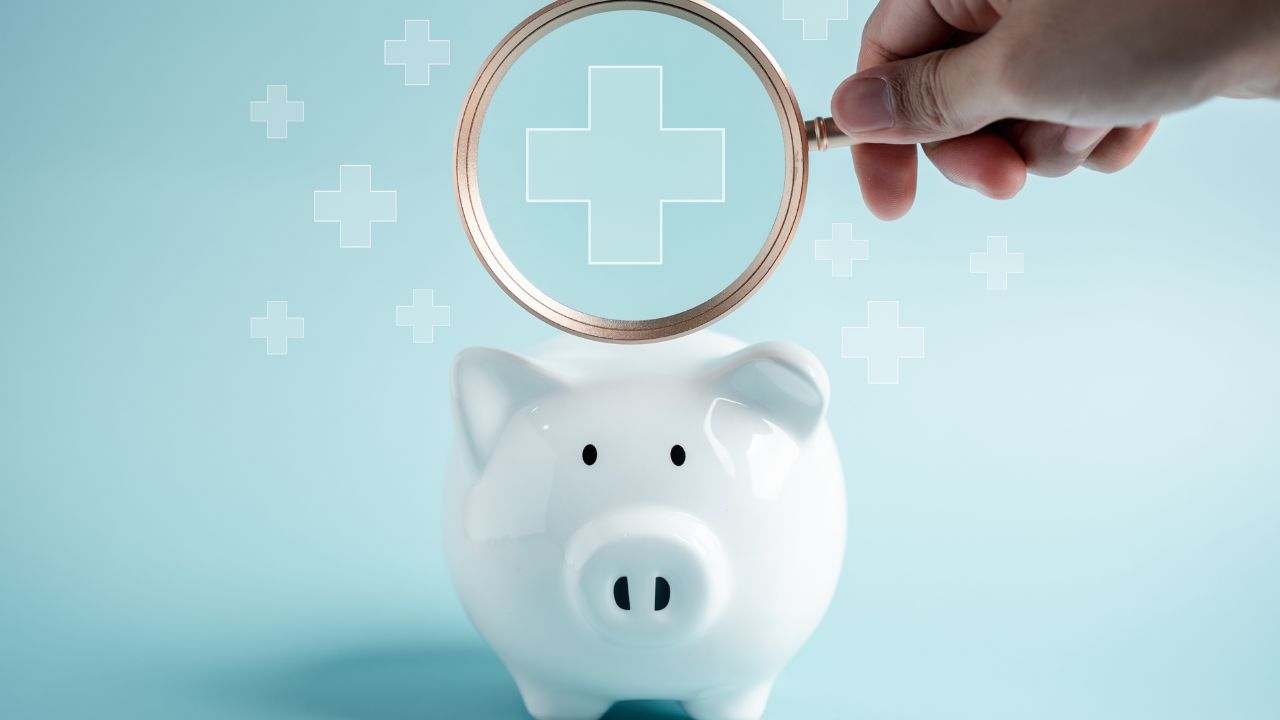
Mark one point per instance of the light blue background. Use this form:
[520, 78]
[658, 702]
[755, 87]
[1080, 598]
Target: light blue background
[1070, 508]
[705, 85]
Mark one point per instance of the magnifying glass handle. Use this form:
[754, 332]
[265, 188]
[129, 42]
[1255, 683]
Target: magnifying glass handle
[824, 135]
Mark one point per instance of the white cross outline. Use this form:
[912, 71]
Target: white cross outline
[661, 128]
[889, 306]
[865, 245]
[804, 23]
[405, 40]
[430, 295]
[266, 105]
[264, 335]
[395, 207]
[997, 280]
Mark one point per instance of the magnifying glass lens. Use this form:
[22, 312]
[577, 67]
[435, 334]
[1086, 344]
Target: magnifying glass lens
[631, 165]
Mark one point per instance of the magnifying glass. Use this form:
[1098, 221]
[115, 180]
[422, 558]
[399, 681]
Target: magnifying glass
[661, 145]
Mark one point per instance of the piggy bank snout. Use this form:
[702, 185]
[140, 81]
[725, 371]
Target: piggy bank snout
[647, 577]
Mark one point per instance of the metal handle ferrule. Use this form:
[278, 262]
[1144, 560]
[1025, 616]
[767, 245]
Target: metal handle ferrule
[823, 134]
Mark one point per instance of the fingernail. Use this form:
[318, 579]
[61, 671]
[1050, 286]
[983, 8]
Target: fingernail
[1078, 139]
[862, 104]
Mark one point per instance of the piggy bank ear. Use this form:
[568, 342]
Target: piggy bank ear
[489, 387]
[784, 382]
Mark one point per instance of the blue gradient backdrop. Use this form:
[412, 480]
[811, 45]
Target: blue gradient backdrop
[1069, 509]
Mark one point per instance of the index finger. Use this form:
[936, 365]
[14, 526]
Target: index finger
[896, 30]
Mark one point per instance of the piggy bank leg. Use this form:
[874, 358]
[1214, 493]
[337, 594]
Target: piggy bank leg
[740, 704]
[545, 702]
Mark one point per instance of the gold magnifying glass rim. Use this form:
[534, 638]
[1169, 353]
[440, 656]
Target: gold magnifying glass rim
[504, 272]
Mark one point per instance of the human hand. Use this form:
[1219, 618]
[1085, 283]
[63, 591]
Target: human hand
[994, 89]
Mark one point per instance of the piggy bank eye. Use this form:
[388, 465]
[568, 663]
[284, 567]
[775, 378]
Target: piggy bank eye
[589, 454]
[677, 455]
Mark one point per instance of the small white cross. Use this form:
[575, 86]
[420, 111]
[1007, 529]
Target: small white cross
[355, 206]
[424, 316]
[842, 250]
[997, 263]
[882, 342]
[417, 52]
[277, 328]
[277, 111]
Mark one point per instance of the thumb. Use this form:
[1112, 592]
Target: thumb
[944, 94]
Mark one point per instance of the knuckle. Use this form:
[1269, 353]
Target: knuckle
[924, 97]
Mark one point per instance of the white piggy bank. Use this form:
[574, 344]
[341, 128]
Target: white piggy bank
[644, 522]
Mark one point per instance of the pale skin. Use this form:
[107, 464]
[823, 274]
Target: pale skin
[996, 89]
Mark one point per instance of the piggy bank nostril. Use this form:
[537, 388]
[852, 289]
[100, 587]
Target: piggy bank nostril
[661, 594]
[646, 577]
[621, 595]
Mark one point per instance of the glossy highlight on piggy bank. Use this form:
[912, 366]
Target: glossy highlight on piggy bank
[644, 522]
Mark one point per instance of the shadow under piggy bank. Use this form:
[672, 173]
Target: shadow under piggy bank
[414, 682]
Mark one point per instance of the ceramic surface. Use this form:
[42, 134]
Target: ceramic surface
[645, 522]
